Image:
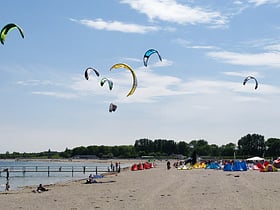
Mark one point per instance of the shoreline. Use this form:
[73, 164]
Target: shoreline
[156, 188]
[19, 179]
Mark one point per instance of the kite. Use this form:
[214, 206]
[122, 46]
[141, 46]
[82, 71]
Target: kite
[8, 28]
[248, 78]
[147, 55]
[88, 70]
[110, 83]
[112, 107]
[123, 65]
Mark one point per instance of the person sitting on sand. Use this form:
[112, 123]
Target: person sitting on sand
[40, 188]
[90, 179]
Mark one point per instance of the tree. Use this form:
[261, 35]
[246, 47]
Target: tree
[228, 149]
[252, 145]
[214, 150]
[79, 151]
[144, 145]
[182, 148]
[273, 147]
[66, 154]
[169, 147]
[200, 146]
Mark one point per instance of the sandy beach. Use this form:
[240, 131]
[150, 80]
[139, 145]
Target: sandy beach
[156, 188]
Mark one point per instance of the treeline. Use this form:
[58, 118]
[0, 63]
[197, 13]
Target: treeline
[247, 146]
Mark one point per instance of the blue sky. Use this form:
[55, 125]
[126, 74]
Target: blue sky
[196, 92]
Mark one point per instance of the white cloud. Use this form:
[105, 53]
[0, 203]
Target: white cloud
[262, 2]
[55, 94]
[238, 2]
[101, 24]
[34, 82]
[188, 44]
[270, 59]
[242, 74]
[273, 47]
[153, 86]
[172, 11]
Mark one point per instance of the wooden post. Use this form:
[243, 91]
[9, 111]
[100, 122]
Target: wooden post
[72, 171]
[48, 171]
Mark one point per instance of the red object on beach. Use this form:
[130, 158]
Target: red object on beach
[147, 166]
[260, 166]
[265, 163]
[134, 167]
[140, 166]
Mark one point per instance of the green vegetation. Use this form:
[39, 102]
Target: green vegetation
[247, 146]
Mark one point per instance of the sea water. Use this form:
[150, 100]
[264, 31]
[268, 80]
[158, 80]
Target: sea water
[20, 179]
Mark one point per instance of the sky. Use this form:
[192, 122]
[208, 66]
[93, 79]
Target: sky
[195, 92]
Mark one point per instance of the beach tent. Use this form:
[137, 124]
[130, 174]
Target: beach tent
[239, 166]
[255, 159]
[236, 166]
[228, 167]
[213, 165]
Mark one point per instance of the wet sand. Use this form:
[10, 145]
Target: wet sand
[156, 188]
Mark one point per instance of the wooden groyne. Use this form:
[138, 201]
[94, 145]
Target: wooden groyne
[51, 170]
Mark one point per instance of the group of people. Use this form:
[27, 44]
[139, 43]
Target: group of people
[116, 168]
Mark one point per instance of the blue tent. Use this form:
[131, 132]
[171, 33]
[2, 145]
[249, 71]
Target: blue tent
[228, 167]
[237, 166]
[213, 165]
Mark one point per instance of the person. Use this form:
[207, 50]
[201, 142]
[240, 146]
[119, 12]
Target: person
[7, 186]
[90, 179]
[40, 188]
[119, 167]
[168, 165]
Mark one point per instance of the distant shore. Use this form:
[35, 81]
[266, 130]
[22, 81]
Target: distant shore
[156, 188]
[77, 160]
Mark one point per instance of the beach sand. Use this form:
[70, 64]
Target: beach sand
[156, 188]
